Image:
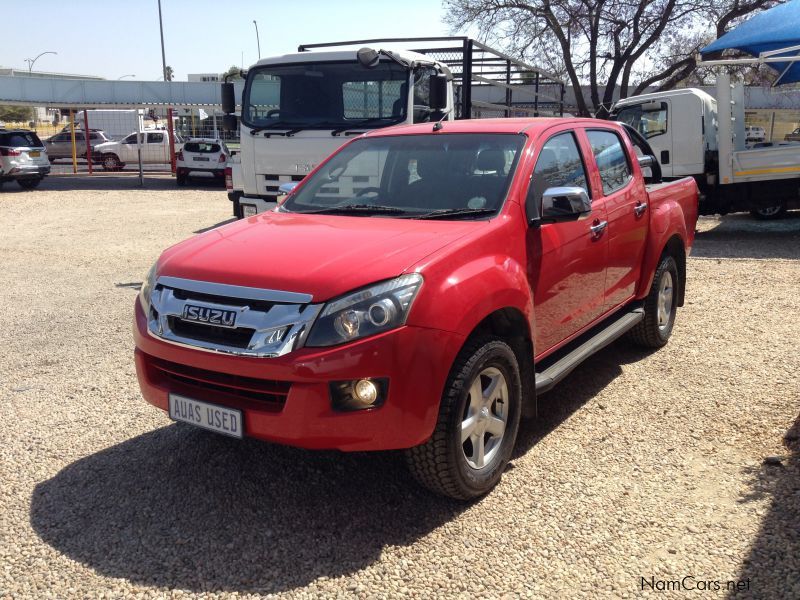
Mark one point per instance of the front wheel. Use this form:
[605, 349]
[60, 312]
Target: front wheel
[766, 213]
[29, 184]
[111, 162]
[477, 425]
[660, 307]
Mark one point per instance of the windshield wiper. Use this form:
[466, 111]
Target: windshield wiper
[354, 208]
[292, 128]
[367, 123]
[456, 212]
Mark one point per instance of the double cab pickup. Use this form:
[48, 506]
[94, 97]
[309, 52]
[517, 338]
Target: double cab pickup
[420, 291]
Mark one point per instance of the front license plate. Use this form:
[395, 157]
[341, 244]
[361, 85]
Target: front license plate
[34, 154]
[227, 421]
[249, 210]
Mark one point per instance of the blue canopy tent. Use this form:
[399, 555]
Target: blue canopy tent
[771, 37]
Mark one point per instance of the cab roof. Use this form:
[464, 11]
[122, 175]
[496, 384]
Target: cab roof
[338, 56]
[511, 125]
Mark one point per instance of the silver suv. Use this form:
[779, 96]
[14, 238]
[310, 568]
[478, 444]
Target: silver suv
[23, 158]
[60, 145]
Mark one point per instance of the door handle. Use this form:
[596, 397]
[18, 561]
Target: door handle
[639, 209]
[598, 228]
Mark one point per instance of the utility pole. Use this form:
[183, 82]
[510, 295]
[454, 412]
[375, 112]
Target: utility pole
[163, 56]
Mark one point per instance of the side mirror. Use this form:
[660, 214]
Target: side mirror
[285, 189]
[438, 90]
[228, 98]
[368, 58]
[229, 122]
[565, 203]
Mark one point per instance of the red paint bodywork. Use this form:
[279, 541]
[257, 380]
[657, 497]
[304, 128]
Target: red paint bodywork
[559, 277]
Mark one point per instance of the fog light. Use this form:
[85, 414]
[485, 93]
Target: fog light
[358, 394]
[365, 391]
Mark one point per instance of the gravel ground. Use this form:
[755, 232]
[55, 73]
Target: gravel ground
[642, 469]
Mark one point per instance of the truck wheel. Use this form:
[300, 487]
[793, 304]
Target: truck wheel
[769, 212]
[477, 425]
[29, 184]
[660, 307]
[111, 162]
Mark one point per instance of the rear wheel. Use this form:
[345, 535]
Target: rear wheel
[765, 213]
[180, 180]
[477, 425]
[29, 184]
[660, 307]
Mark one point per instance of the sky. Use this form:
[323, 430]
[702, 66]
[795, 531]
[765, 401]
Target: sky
[117, 38]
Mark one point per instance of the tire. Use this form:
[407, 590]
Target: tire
[29, 184]
[660, 307]
[180, 180]
[446, 465]
[111, 162]
[767, 213]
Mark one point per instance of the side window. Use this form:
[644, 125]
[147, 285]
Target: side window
[649, 119]
[155, 138]
[131, 139]
[559, 165]
[612, 161]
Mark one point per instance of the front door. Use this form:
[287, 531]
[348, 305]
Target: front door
[566, 259]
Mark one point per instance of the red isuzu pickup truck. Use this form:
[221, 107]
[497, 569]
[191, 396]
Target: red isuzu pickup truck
[418, 291]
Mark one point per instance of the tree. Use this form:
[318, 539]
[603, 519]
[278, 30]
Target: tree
[613, 45]
[233, 73]
[168, 73]
[15, 114]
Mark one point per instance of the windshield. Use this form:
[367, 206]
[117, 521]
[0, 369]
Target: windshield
[414, 176]
[324, 95]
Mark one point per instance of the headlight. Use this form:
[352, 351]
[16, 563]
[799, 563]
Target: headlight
[147, 288]
[368, 311]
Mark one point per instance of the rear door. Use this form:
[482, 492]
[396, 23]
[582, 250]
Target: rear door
[156, 148]
[566, 260]
[625, 199]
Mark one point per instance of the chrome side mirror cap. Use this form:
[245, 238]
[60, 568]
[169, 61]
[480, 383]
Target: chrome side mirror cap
[565, 203]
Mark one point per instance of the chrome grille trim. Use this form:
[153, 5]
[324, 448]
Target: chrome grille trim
[235, 291]
[293, 318]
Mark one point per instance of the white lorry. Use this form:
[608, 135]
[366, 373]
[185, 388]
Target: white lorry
[692, 134]
[298, 108]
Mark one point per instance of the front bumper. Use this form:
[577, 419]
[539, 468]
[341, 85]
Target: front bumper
[287, 399]
[250, 206]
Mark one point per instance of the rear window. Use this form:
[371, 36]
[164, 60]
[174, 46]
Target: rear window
[20, 139]
[203, 147]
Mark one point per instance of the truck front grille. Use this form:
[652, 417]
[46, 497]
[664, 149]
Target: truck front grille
[257, 322]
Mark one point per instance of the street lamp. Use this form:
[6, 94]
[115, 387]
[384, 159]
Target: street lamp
[124, 76]
[257, 40]
[31, 61]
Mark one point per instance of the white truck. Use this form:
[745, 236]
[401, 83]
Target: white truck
[298, 108]
[693, 134]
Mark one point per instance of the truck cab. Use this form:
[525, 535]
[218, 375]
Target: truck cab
[298, 108]
[680, 126]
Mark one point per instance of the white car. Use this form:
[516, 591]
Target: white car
[155, 150]
[23, 158]
[754, 134]
[202, 158]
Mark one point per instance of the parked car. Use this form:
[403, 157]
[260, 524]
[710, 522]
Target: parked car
[202, 157]
[793, 137]
[154, 145]
[754, 134]
[23, 158]
[419, 290]
[60, 145]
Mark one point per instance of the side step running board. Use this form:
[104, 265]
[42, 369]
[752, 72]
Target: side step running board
[562, 367]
